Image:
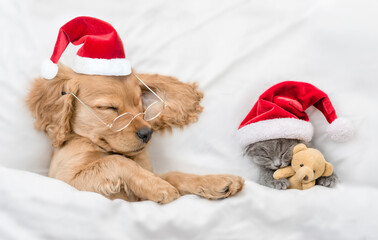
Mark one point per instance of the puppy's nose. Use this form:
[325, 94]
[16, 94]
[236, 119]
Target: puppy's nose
[144, 134]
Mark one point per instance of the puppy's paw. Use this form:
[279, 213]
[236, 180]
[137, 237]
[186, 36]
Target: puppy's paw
[161, 192]
[108, 187]
[327, 181]
[219, 186]
[280, 184]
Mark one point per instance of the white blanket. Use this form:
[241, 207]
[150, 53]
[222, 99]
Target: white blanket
[235, 50]
[36, 207]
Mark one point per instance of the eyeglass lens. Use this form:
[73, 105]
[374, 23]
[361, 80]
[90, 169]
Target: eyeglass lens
[152, 112]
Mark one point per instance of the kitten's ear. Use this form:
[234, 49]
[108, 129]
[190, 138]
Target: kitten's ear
[328, 169]
[299, 147]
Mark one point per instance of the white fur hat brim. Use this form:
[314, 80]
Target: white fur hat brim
[290, 128]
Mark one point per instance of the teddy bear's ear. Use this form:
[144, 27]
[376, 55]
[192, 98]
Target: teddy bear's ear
[328, 169]
[299, 147]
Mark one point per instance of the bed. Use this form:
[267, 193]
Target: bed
[235, 50]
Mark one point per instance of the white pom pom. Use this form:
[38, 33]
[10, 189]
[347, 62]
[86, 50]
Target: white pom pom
[49, 69]
[340, 130]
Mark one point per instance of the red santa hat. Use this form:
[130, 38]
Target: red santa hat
[102, 51]
[280, 113]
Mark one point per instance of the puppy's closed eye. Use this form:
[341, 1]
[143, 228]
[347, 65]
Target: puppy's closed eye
[107, 108]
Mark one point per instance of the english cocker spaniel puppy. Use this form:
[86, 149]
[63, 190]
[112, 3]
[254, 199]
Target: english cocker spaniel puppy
[100, 136]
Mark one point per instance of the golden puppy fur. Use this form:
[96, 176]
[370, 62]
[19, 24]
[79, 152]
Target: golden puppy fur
[91, 157]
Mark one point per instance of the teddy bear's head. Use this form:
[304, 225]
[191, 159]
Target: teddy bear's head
[309, 164]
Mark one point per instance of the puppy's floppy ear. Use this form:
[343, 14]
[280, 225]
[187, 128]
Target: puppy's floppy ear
[183, 100]
[51, 107]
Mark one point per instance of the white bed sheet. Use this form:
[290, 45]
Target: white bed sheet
[234, 50]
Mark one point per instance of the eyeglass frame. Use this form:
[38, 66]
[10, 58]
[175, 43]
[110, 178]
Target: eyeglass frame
[123, 114]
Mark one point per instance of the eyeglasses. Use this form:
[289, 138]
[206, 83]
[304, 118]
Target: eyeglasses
[124, 120]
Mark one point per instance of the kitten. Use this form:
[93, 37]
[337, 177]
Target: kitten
[273, 154]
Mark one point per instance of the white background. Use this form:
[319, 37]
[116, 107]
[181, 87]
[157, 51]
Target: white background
[235, 50]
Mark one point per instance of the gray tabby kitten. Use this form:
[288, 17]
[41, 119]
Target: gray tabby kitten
[273, 154]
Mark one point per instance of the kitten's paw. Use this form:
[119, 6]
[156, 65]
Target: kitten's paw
[327, 181]
[280, 184]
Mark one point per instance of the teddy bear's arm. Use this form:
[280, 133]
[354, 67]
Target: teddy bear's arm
[284, 173]
[308, 185]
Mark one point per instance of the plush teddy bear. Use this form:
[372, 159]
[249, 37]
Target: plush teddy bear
[307, 165]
